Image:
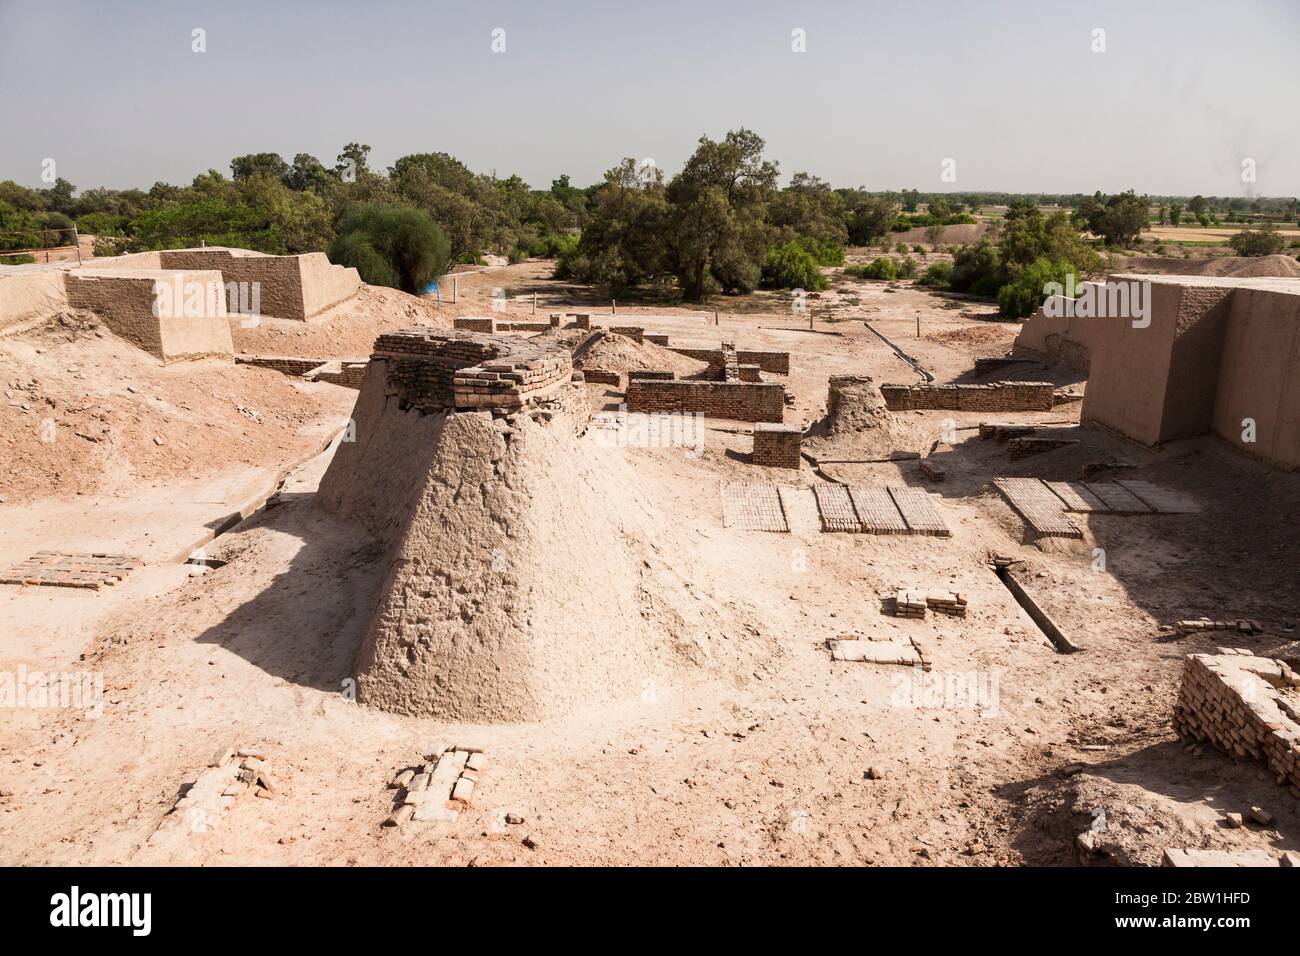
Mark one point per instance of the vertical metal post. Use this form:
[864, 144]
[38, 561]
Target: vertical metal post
[76, 239]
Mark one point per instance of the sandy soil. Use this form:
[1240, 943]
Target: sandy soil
[795, 760]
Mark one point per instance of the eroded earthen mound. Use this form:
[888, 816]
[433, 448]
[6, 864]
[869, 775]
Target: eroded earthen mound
[528, 574]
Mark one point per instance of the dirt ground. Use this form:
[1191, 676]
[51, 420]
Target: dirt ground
[799, 760]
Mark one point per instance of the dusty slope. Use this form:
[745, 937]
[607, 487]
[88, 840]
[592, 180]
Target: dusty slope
[1284, 267]
[84, 411]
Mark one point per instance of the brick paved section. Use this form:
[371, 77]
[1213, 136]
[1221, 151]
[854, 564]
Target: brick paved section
[1076, 496]
[752, 506]
[994, 397]
[1118, 499]
[919, 511]
[836, 508]
[877, 511]
[64, 570]
[1041, 509]
[1160, 499]
[777, 446]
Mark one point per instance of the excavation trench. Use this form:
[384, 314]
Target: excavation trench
[1036, 614]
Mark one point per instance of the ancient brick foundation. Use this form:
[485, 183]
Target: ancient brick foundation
[994, 397]
[777, 446]
[434, 369]
[599, 376]
[475, 323]
[741, 401]
[1246, 706]
[633, 332]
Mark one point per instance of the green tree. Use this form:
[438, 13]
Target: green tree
[1117, 219]
[395, 246]
[718, 229]
[1264, 240]
[258, 164]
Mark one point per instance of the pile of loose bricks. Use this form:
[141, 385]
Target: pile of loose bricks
[913, 603]
[1246, 706]
[439, 788]
[62, 569]
[777, 446]
[434, 369]
[993, 397]
[232, 772]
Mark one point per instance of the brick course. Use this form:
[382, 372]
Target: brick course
[741, 401]
[994, 397]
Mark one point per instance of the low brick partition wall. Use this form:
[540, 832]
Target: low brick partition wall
[994, 397]
[740, 401]
[600, 376]
[633, 332]
[656, 338]
[777, 363]
[777, 446]
[435, 369]
[523, 326]
[748, 373]
[651, 375]
[349, 374]
[475, 323]
[285, 364]
[346, 372]
[1246, 706]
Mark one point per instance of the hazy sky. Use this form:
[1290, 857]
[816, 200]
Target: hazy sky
[885, 92]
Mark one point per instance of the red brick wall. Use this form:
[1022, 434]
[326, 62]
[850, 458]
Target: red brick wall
[741, 401]
[994, 397]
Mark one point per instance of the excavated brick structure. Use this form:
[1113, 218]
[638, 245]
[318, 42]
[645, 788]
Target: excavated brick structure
[527, 574]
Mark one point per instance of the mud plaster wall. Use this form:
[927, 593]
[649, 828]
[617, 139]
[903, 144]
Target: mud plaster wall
[1260, 377]
[291, 287]
[1194, 362]
[30, 294]
[126, 303]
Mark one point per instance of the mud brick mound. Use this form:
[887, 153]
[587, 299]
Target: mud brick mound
[528, 574]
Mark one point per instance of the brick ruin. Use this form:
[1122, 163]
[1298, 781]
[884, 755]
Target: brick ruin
[436, 369]
[777, 446]
[1248, 707]
[993, 397]
[739, 401]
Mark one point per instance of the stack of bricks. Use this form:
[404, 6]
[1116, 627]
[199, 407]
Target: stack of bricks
[433, 369]
[994, 397]
[777, 446]
[909, 603]
[946, 602]
[581, 319]
[739, 401]
[1246, 706]
[730, 364]
[633, 332]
